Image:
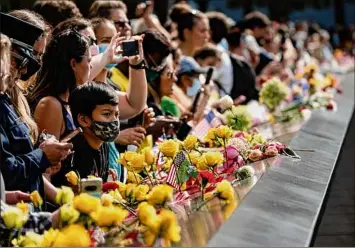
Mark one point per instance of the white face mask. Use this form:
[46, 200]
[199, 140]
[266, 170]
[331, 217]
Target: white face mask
[194, 89]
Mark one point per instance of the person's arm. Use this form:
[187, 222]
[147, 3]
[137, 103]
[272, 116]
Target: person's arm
[146, 9]
[133, 102]
[49, 116]
[18, 168]
[49, 190]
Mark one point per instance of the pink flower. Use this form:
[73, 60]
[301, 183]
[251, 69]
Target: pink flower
[232, 153]
[234, 159]
[271, 151]
[255, 155]
[239, 134]
[279, 146]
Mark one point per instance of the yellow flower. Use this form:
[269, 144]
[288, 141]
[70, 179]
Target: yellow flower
[121, 188]
[107, 200]
[116, 195]
[129, 192]
[169, 148]
[91, 177]
[109, 216]
[31, 239]
[194, 157]
[191, 142]
[73, 236]
[211, 135]
[225, 191]
[64, 195]
[133, 177]
[148, 155]
[167, 163]
[49, 237]
[68, 214]
[169, 226]
[137, 163]
[212, 159]
[149, 237]
[223, 132]
[228, 209]
[14, 218]
[36, 199]
[160, 194]
[86, 203]
[126, 157]
[201, 164]
[72, 178]
[140, 192]
[23, 206]
[148, 216]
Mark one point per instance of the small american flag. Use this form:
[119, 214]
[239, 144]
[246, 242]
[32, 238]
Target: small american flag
[210, 120]
[171, 179]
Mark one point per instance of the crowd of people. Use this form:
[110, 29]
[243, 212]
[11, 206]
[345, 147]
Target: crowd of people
[61, 71]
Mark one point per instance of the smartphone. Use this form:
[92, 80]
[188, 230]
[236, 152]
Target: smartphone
[130, 48]
[91, 186]
[71, 135]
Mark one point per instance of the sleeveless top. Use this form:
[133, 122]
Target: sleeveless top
[69, 125]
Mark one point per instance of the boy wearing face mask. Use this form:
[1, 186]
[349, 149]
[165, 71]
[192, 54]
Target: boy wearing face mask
[95, 109]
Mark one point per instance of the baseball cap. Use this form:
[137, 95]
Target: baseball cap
[189, 65]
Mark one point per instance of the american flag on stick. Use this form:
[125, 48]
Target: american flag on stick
[172, 176]
[210, 120]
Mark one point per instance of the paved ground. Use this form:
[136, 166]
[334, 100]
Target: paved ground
[336, 225]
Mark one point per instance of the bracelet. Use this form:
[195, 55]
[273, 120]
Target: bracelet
[141, 65]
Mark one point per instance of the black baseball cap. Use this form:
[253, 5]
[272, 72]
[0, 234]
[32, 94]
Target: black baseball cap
[19, 30]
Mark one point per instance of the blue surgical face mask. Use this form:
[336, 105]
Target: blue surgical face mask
[193, 90]
[102, 49]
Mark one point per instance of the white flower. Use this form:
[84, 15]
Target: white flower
[226, 102]
[240, 144]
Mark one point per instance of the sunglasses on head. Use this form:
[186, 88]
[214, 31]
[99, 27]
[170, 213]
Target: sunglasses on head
[122, 24]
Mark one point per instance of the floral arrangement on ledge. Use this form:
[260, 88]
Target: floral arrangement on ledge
[139, 213]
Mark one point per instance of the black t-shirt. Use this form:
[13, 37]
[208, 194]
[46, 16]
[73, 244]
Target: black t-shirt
[244, 80]
[85, 160]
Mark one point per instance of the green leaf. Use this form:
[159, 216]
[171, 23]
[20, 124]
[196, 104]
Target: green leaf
[182, 173]
[192, 171]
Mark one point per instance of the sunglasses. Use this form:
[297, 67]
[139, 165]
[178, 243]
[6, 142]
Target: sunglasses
[122, 24]
[92, 41]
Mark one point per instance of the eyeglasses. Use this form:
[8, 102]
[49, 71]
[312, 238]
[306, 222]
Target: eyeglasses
[122, 24]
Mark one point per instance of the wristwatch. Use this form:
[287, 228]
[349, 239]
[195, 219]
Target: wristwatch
[140, 66]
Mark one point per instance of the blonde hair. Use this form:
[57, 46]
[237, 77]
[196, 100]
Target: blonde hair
[5, 63]
[8, 85]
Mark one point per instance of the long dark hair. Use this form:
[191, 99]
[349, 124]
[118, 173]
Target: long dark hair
[56, 75]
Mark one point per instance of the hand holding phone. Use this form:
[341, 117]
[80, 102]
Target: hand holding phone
[70, 136]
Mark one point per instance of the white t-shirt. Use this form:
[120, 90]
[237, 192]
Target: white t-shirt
[224, 74]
